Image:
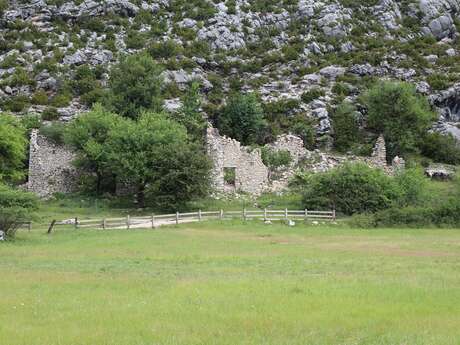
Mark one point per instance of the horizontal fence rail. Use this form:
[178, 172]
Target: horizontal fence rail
[155, 220]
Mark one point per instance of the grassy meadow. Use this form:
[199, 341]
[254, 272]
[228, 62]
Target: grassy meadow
[231, 283]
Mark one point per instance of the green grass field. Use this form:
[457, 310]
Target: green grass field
[231, 283]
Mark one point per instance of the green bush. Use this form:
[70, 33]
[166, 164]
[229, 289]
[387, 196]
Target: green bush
[16, 207]
[54, 132]
[276, 159]
[312, 94]
[13, 149]
[50, 114]
[350, 189]
[40, 97]
[441, 148]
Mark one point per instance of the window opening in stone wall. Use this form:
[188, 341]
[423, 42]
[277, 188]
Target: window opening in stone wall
[230, 176]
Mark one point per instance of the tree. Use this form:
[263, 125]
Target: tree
[135, 86]
[88, 135]
[403, 116]
[13, 149]
[190, 114]
[242, 119]
[441, 148]
[16, 208]
[155, 155]
[346, 128]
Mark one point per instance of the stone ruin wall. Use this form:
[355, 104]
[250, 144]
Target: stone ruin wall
[50, 167]
[51, 170]
[251, 175]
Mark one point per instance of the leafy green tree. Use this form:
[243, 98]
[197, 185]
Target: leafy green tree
[88, 135]
[13, 149]
[190, 114]
[16, 207]
[396, 110]
[156, 156]
[346, 128]
[135, 86]
[242, 119]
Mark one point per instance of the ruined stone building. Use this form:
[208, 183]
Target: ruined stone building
[230, 158]
[50, 167]
[236, 168]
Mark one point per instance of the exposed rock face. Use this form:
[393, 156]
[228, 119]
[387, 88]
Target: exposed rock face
[50, 168]
[438, 17]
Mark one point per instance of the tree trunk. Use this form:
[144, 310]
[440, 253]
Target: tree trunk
[141, 196]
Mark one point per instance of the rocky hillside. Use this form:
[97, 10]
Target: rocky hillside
[300, 56]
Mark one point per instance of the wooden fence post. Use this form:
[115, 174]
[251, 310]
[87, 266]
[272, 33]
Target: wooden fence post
[76, 222]
[153, 221]
[30, 226]
[221, 215]
[103, 223]
[244, 214]
[199, 215]
[286, 214]
[306, 214]
[51, 226]
[177, 218]
[265, 214]
[333, 215]
[128, 222]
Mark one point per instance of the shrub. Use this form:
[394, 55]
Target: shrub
[40, 97]
[346, 127]
[312, 94]
[54, 132]
[242, 119]
[441, 148]
[50, 114]
[13, 149]
[396, 110]
[16, 207]
[351, 188]
[276, 159]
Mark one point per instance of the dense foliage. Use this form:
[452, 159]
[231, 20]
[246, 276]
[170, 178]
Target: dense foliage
[13, 149]
[88, 136]
[242, 119]
[190, 114]
[16, 207]
[155, 155]
[357, 188]
[400, 114]
[135, 86]
[346, 126]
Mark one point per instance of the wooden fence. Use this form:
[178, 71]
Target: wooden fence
[154, 220]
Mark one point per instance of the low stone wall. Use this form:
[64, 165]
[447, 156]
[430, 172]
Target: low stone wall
[50, 167]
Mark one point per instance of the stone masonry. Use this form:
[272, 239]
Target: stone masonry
[251, 175]
[50, 168]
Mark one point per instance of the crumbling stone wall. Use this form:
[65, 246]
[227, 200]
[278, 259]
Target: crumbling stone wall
[50, 168]
[291, 143]
[251, 175]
